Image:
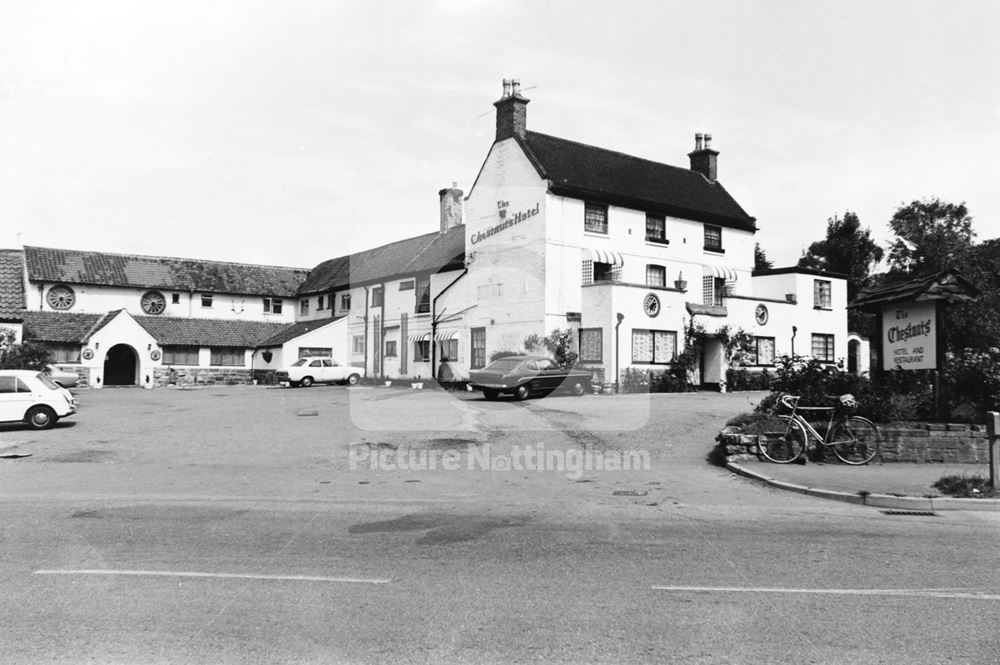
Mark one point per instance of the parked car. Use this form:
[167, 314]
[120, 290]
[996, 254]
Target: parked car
[307, 371]
[62, 377]
[523, 376]
[32, 397]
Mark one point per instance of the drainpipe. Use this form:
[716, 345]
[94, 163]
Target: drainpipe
[366, 330]
[434, 322]
[795, 331]
[621, 317]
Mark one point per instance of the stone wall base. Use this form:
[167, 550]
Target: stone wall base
[201, 376]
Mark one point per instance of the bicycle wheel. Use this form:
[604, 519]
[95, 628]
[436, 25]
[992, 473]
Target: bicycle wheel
[783, 447]
[855, 441]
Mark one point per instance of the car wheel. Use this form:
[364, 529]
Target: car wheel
[353, 380]
[40, 417]
[306, 381]
[523, 391]
[579, 389]
[293, 384]
[490, 395]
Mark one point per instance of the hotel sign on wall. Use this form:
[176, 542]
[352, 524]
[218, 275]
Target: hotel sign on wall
[909, 336]
[506, 221]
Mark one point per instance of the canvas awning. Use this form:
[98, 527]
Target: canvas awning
[721, 272]
[604, 256]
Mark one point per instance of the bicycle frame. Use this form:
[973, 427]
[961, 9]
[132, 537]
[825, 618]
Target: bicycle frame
[807, 426]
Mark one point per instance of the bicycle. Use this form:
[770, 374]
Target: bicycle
[855, 440]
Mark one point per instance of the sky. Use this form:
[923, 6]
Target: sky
[287, 133]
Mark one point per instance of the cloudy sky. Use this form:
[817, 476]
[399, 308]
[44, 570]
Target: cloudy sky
[290, 132]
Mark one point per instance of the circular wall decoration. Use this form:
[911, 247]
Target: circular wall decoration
[155, 354]
[61, 297]
[153, 302]
[651, 304]
[761, 314]
[88, 354]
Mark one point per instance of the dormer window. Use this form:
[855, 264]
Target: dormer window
[206, 299]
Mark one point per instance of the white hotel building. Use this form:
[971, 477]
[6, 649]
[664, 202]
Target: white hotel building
[553, 234]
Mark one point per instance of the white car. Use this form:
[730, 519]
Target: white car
[307, 371]
[32, 397]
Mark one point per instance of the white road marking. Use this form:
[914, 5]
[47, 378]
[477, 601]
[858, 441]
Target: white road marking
[241, 576]
[913, 593]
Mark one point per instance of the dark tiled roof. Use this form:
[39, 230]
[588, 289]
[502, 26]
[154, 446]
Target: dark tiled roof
[208, 332]
[583, 171]
[948, 285]
[431, 252]
[60, 327]
[129, 270]
[11, 285]
[296, 329]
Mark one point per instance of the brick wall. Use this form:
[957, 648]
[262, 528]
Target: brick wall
[900, 442]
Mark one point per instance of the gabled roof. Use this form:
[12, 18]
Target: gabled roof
[586, 172]
[172, 331]
[428, 253]
[949, 286]
[296, 330]
[11, 285]
[45, 264]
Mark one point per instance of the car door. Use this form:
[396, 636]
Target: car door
[14, 399]
[550, 374]
[329, 371]
[316, 370]
[337, 372]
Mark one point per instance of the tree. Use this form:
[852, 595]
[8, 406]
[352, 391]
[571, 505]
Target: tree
[931, 236]
[26, 355]
[847, 249]
[760, 261]
[976, 325]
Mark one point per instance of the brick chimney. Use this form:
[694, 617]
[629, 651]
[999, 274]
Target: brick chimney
[451, 207]
[704, 160]
[512, 111]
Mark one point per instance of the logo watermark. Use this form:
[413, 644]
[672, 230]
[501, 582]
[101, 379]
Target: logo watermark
[572, 462]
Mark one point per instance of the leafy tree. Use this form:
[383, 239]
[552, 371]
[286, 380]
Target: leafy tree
[760, 261]
[26, 355]
[847, 249]
[976, 325]
[931, 236]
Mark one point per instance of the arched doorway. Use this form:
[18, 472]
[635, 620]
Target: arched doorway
[121, 366]
[853, 356]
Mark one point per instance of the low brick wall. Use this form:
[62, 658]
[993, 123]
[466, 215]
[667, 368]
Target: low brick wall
[201, 376]
[952, 443]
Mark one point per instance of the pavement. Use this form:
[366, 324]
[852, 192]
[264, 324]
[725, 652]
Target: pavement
[895, 485]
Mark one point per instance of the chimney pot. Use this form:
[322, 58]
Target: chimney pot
[506, 89]
[697, 141]
[516, 85]
[708, 141]
[704, 159]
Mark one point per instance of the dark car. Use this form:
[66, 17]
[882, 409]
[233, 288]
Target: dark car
[523, 376]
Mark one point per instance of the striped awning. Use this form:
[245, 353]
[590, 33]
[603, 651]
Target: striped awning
[444, 335]
[419, 336]
[604, 256]
[721, 272]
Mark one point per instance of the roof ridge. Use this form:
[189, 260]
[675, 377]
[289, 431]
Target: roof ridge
[619, 152]
[174, 258]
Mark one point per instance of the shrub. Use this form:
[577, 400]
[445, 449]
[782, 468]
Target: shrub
[965, 486]
[26, 355]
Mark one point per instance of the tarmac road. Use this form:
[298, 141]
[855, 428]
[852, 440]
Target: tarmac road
[222, 526]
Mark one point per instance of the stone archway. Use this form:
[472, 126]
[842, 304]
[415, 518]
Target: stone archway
[121, 366]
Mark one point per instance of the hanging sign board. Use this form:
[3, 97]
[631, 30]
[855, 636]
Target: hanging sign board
[909, 336]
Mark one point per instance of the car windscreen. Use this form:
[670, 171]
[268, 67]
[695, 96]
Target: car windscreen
[505, 364]
[49, 383]
[300, 363]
